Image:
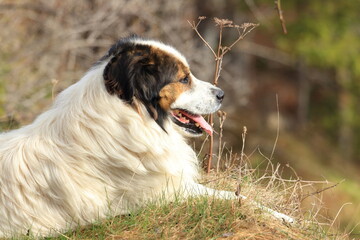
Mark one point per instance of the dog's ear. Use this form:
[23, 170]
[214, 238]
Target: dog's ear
[117, 76]
[134, 72]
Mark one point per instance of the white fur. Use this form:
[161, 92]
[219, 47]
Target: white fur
[199, 99]
[164, 47]
[88, 157]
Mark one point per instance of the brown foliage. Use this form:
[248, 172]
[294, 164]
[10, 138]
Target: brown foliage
[47, 41]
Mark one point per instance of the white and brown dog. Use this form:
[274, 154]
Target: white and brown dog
[112, 141]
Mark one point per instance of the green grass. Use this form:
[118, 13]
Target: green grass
[209, 218]
[201, 218]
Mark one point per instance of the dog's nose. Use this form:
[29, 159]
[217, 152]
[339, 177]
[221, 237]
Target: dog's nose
[219, 94]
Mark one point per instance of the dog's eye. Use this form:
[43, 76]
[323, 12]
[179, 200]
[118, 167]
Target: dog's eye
[184, 80]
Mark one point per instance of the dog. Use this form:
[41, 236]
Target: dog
[110, 142]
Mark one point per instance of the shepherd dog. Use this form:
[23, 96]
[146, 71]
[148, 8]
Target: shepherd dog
[111, 142]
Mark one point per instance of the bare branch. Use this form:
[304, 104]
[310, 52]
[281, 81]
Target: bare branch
[221, 50]
[281, 17]
[277, 129]
[242, 34]
[195, 28]
[222, 118]
[321, 190]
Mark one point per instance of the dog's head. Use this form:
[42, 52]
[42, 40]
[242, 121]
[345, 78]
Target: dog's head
[159, 77]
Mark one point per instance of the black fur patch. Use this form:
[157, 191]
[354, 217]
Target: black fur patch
[140, 71]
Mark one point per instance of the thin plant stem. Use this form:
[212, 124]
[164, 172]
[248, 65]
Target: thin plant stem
[281, 17]
[222, 117]
[221, 50]
[277, 128]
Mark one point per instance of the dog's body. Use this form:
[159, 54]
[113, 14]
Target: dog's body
[110, 142]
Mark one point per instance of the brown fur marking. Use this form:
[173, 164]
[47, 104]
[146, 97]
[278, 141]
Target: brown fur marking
[169, 93]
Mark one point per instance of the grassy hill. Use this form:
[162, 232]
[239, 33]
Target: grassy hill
[211, 218]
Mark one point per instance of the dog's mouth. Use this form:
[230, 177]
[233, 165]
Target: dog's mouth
[192, 123]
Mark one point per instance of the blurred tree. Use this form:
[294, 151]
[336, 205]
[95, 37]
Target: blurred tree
[326, 35]
[59, 39]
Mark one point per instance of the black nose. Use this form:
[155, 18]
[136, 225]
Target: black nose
[219, 94]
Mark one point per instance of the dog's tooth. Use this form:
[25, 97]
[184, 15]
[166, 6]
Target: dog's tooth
[197, 124]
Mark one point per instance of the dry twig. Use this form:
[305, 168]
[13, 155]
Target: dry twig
[222, 118]
[277, 129]
[219, 54]
[242, 154]
[320, 191]
[281, 17]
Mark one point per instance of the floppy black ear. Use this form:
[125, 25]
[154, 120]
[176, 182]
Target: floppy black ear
[117, 77]
[130, 73]
[133, 72]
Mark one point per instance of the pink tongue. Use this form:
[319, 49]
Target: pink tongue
[201, 121]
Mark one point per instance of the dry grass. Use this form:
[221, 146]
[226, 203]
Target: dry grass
[211, 218]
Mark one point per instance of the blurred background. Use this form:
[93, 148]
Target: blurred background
[298, 91]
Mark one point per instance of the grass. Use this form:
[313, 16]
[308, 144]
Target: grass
[193, 219]
[210, 218]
